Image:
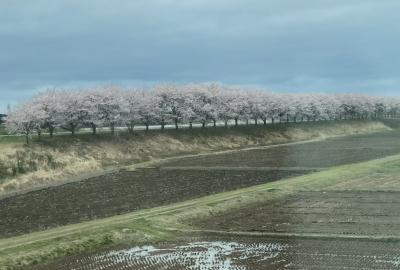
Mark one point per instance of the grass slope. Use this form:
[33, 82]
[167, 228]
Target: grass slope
[174, 221]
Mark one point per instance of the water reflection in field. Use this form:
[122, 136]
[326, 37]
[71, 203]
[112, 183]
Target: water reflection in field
[241, 253]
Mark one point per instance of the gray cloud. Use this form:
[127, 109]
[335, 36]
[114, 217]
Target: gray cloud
[285, 45]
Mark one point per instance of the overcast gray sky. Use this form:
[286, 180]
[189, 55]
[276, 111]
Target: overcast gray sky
[285, 45]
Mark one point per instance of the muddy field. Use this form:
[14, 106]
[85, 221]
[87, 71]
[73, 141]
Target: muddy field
[119, 193]
[181, 180]
[321, 229]
[327, 153]
[241, 254]
[350, 230]
[317, 212]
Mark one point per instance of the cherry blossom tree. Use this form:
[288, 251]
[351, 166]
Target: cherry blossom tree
[148, 108]
[90, 100]
[173, 100]
[228, 106]
[204, 102]
[130, 105]
[71, 114]
[109, 106]
[256, 105]
[169, 103]
[25, 119]
[48, 103]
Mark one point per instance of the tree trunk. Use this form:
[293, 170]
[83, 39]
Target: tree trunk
[256, 121]
[131, 126]
[112, 127]
[27, 139]
[51, 131]
[147, 127]
[94, 129]
[273, 120]
[247, 122]
[265, 122]
[162, 124]
[287, 118]
[203, 124]
[39, 132]
[236, 122]
[190, 125]
[176, 123]
[215, 122]
[73, 131]
[226, 123]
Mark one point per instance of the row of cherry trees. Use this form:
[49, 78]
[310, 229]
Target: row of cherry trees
[175, 104]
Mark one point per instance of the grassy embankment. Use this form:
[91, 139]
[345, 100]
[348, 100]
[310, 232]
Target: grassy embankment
[173, 222]
[53, 160]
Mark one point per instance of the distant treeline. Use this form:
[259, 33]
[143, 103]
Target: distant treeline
[193, 103]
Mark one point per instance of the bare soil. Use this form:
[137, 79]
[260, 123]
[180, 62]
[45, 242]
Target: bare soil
[119, 193]
[326, 153]
[321, 229]
[179, 180]
[356, 213]
[316, 212]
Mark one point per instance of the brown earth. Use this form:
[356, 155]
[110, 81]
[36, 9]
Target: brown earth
[316, 212]
[126, 191]
[325, 228]
[119, 193]
[326, 153]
